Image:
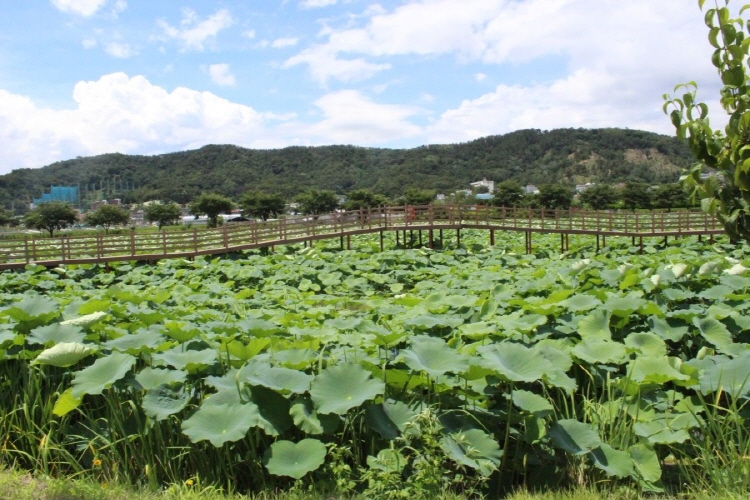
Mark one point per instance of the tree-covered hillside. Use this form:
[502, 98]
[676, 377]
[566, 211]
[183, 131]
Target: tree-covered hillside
[566, 156]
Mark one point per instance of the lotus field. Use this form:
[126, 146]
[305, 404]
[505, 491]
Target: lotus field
[403, 373]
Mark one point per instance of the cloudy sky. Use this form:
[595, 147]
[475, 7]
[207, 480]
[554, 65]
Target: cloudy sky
[85, 77]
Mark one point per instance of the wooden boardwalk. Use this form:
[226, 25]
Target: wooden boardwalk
[190, 242]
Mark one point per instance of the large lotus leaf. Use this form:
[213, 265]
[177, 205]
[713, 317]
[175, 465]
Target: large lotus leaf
[245, 351]
[163, 401]
[646, 343]
[308, 420]
[678, 294]
[581, 302]
[102, 374]
[625, 306]
[134, 343]
[595, 326]
[56, 333]
[432, 355]
[473, 448]
[7, 336]
[669, 328]
[515, 362]
[86, 320]
[275, 377]
[574, 437]
[714, 332]
[274, 410]
[429, 321]
[731, 376]
[285, 458]
[221, 423]
[388, 460]
[524, 323]
[614, 462]
[258, 327]
[64, 354]
[181, 331]
[716, 292]
[646, 462]
[655, 370]
[532, 403]
[338, 389]
[390, 418]
[344, 324]
[296, 358]
[666, 429]
[600, 352]
[478, 330]
[151, 378]
[188, 360]
[39, 309]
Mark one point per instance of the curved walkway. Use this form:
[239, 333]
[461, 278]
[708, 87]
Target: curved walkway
[190, 242]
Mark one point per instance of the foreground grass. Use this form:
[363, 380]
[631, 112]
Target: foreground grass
[23, 486]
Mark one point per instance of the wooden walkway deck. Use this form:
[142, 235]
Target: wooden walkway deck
[102, 248]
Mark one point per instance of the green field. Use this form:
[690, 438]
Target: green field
[405, 373]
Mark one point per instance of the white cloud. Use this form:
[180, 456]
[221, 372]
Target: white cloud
[194, 33]
[313, 4]
[120, 113]
[480, 77]
[119, 50]
[280, 43]
[324, 64]
[221, 75]
[85, 8]
[249, 34]
[89, 43]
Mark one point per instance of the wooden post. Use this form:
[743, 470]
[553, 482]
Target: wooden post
[458, 237]
[341, 242]
[132, 242]
[432, 240]
[195, 240]
[26, 249]
[163, 242]
[492, 237]
[397, 242]
[348, 242]
[381, 240]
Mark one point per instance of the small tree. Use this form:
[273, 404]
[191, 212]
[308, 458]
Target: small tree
[635, 195]
[262, 205]
[107, 216]
[364, 199]
[599, 197]
[163, 214]
[211, 205]
[670, 196]
[555, 197]
[508, 194]
[6, 218]
[317, 201]
[727, 193]
[416, 196]
[51, 216]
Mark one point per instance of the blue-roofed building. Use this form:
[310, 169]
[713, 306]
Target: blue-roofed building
[484, 196]
[59, 193]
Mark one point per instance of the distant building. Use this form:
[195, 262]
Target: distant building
[531, 189]
[490, 185]
[580, 188]
[67, 194]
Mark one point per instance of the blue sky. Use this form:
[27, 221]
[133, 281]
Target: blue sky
[85, 77]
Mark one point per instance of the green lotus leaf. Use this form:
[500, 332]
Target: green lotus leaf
[655, 370]
[574, 437]
[350, 323]
[285, 458]
[275, 377]
[388, 460]
[245, 351]
[181, 331]
[432, 355]
[258, 327]
[524, 323]
[338, 389]
[714, 332]
[581, 302]
[64, 354]
[102, 374]
[478, 330]
[595, 326]
[614, 462]
[7, 336]
[532, 403]
[427, 322]
[297, 359]
[307, 419]
[646, 462]
[145, 340]
[473, 448]
[716, 292]
[600, 352]
[678, 294]
[39, 309]
[220, 424]
[390, 418]
[151, 378]
[646, 343]
[177, 358]
[624, 306]
[730, 376]
[273, 409]
[515, 362]
[163, 401]
[86, 320]
[56, 333]
[66, 403]
[666, 429]
[669, 328]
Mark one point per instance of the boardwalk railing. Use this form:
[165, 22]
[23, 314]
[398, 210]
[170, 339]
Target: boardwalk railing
[133, 245]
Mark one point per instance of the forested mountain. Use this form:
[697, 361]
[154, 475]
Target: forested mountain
[567, 156]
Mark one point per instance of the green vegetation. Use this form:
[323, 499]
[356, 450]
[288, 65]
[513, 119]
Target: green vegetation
[565, 156]
[262, 206]
[51, 216]
[108, 216]
[163, 214]
[406, 373]
[315, 201]
[725, 153]
[211, 205]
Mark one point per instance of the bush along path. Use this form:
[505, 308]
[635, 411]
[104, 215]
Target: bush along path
[393, 374]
